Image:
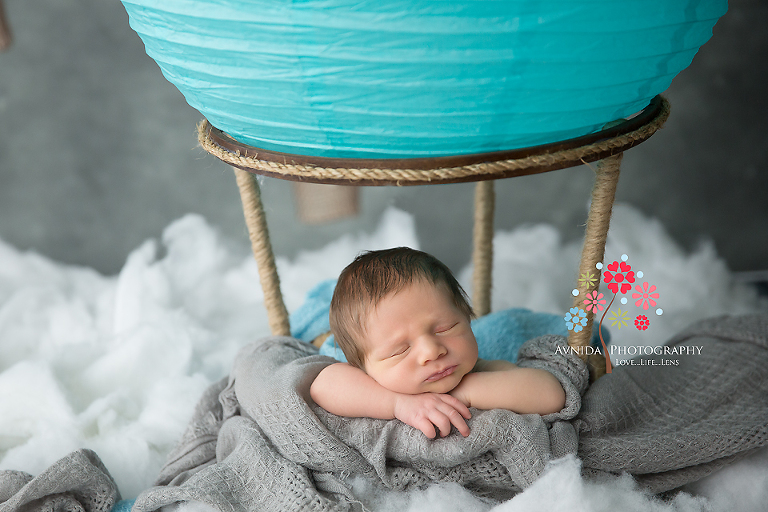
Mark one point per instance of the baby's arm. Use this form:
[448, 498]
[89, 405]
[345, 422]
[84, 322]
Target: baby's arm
[503, 385]
[345, 390]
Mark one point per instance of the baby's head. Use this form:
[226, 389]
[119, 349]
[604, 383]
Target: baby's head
[385, 301]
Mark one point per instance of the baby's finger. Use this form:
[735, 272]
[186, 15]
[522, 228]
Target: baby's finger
[425, 426]
[455, 418]
[442, 421]
[459, 422]
[457, 405]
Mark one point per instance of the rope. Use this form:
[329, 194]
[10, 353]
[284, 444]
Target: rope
[5, 30]
[488, 170]
[603, 193]
[482, 252]
[256, 222]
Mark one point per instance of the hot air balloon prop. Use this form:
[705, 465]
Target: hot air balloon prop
[424, 91]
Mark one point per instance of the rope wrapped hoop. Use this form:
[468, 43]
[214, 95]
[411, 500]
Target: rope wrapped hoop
[606, 147]
[5, 30]
[449, 169]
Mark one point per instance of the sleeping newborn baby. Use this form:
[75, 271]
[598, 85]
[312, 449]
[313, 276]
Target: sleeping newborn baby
[403, 323]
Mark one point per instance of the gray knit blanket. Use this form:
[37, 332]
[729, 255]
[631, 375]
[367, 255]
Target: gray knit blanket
[258, 442]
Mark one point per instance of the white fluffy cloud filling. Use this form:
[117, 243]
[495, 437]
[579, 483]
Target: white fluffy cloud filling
[116, 363]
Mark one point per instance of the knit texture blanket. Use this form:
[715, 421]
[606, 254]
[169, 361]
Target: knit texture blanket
[276, 450]
[669, 425]
[257, 441]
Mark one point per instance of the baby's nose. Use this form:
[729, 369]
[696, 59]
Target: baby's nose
[431, 349]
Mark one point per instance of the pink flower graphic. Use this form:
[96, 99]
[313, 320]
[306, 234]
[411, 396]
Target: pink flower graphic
[617, 274]
[645, 296]
[594, 301]
[642, 322]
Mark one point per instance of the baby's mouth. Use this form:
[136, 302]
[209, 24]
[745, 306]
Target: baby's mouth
[441, 374]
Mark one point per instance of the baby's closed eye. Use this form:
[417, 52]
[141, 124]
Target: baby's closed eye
[444, 329]
[400, 351]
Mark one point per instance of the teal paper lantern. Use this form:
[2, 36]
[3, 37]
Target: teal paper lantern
[419, 78]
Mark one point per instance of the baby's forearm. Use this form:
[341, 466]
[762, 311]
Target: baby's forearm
[347, 391]
[521, 390]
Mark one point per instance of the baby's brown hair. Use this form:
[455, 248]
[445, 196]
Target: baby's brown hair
[374, 275]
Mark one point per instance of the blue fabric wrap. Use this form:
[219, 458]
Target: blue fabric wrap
[123, 506]
[499, 335]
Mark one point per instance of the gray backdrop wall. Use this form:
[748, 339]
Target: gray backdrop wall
[98, 152]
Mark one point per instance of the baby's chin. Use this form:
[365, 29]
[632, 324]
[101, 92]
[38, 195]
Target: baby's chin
[444, 385]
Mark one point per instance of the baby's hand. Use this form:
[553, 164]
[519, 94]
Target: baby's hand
[426, 411]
